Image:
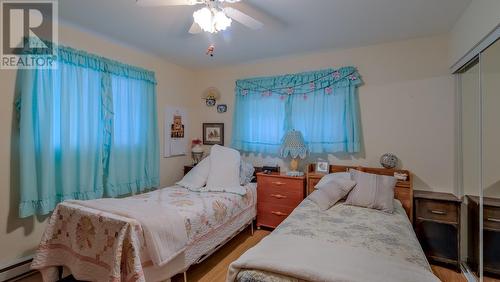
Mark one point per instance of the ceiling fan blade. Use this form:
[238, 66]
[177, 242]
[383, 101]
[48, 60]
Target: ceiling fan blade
[243, 18]
[153, 3]
[195, 28]
[260, 15]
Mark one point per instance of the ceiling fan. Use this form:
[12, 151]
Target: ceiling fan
[216, 16]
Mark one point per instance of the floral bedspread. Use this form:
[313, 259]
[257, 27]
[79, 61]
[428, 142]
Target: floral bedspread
[99, 246]
[382, 233]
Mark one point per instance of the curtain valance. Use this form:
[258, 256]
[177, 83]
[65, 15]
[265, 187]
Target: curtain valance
[80, 58]
[299, 83]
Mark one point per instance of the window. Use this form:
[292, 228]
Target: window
[88, 129]
[323, 105]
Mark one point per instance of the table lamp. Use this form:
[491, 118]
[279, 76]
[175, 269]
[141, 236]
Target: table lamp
[293, 145]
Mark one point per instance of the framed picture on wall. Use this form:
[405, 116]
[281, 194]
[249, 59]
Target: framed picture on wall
[213, 134]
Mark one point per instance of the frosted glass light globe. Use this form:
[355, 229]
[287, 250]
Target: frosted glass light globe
[221, 21]
[203, 17]
[211, 20]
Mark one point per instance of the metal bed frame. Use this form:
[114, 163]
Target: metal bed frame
[220, 245]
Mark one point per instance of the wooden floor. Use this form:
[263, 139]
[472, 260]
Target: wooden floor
[214, 268]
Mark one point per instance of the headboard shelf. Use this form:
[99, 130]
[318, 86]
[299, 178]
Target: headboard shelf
[403, 190]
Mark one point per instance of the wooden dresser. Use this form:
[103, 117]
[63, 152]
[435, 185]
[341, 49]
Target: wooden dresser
[437, 225]
[277, 196]
[491, 234]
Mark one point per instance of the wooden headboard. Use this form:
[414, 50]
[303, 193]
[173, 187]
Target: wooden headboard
[403, 191]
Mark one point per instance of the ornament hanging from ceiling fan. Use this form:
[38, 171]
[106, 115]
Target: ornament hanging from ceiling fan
[217, 15]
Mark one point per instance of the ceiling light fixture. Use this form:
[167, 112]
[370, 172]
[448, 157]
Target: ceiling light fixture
[211, 19]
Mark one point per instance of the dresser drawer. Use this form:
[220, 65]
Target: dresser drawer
[436, 210]
[280, 191]
[491, 218]
[271, 215]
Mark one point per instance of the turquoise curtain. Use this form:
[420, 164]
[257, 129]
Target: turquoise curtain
[323, 105]
[88, 129]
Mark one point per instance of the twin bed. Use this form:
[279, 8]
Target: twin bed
[343, 243]
[97, 245]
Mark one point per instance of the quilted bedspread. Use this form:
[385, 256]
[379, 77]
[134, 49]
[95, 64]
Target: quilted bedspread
[100, 246]
[387, 235]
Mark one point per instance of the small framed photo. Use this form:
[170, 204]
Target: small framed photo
[213, 134]
[322, 167]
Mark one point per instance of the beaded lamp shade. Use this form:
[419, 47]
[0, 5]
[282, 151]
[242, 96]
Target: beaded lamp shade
[293, 145]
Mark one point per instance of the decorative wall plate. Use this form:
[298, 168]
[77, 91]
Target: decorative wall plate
[221, 108]
[210, 102]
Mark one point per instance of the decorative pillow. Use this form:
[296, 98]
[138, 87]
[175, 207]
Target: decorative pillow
[332, 192]
[224, 175]
[327, 178]
[372, 191]
[197, 177]
[246, 172]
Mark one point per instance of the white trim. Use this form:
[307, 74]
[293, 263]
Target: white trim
[16, 271]
[478, 48]
[458, 136]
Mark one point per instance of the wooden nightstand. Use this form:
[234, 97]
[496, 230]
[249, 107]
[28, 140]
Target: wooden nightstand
[277, 196]
[187, 168]
[491, 234]
[313, 179]
[437, 225]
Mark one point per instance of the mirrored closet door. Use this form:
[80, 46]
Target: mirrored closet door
[490, 95]
[479, 165]
[470, 173]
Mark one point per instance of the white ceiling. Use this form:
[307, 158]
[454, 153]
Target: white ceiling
[293, 26]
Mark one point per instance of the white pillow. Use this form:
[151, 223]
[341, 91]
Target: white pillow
[197, 177]
[372, 191]
[332, 192]
[224, 175]
[329, 177]
[246, 172]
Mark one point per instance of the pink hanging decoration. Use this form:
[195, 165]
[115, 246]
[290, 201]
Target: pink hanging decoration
[282, 97]
[289, 91]
[266, 93]
[352, 77]
[328, 90]
[312, 86]
[336, 74]
[305, 96]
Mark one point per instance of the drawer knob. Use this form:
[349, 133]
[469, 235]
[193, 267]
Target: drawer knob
[279, 213]
[278, 196]
[438, 212]
[493, 219]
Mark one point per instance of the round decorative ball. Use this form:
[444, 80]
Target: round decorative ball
[389, 160]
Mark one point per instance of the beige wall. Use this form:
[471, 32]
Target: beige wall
[19, 237]
[479, 19]
[407, 103]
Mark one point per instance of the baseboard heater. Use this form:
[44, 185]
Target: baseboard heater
[16, 270]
